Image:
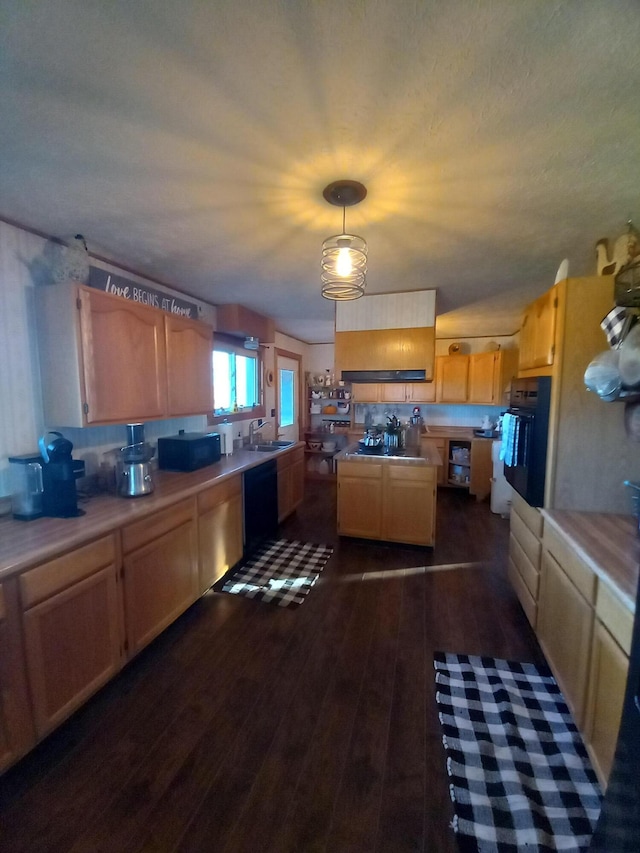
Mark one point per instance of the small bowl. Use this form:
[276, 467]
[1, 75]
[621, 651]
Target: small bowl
[314, 445]
[329, 446]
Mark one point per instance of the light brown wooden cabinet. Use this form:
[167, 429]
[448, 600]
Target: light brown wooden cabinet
[607, 683]
[409, 504]
[481, 468]
[17, 734]
[386, 349]
[72, 629]
[538, 332]
[290, 482]
[525, 554]
[489, 376]
[566, 619]
[452, 378]
[189, 346]
[407, 392]
[360, 500]
[160, 571]
[219, 530]
[121, 361]
[395, 503]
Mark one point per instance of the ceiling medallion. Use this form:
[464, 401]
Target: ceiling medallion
[344, 256]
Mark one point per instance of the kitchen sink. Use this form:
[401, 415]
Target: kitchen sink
[269, 446]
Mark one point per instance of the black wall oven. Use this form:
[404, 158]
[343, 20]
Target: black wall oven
[525, 435]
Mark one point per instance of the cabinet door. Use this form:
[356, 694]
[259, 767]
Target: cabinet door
[160, 582]
[421, 392]
[365, 392]
[219, 530]
[452, 378]
[482, 377]
[123, 355]
[72, 646]
[360, 499]
[409, 501]
[481, 468]
[607, 682]
[392, 392]
[189, 347]
[538, 332]
[565, 627]
[16, 726]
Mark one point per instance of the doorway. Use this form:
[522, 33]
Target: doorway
[288, 395]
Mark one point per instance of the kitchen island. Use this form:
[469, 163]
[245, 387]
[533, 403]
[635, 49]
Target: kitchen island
[392, 498]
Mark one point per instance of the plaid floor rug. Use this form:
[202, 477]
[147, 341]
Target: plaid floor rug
[279, 571]
[520, 774]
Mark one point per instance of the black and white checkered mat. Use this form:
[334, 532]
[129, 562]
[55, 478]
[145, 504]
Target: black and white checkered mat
[520, 774]
[280, 571]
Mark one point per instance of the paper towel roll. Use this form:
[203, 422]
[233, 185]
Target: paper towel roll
[226, 438]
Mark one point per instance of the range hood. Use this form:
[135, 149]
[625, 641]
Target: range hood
[384, 375]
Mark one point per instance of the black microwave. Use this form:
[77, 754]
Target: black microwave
[188, 451]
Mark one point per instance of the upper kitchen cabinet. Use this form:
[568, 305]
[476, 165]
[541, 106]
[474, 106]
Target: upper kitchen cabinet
[452, 378]
[490, 374]
[188, 346]
[105, 359]
[386, 332]
[538, 333]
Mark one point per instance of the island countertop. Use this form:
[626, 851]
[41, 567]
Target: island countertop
[428, 454]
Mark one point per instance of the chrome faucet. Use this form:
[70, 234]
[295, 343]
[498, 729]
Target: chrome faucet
[252, 431]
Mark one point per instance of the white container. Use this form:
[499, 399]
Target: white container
[226, 438]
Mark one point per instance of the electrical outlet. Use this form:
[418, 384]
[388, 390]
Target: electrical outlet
[273, 413]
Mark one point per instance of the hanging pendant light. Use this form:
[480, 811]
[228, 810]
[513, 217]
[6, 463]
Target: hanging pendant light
[344, 256]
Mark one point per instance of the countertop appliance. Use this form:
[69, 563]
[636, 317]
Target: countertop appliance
[188, 451]
[26, 486]
[260, 494]
[618, 829]
[59, 475]
[133, 468]
[525, 436]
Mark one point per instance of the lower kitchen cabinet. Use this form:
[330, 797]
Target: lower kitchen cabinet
[607, 682]
[160, 571]
[409, 504]
[525, 551]
[290, 482]
[481, 468]
[72, 629]
[386, 501]
[17, 734]
[360, 499]
[219, 530]
[566, 618]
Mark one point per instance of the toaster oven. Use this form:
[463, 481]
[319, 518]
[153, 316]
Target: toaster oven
[188, 451]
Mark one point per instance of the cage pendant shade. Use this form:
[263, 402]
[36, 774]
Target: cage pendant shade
[344, 256]
[344, 267]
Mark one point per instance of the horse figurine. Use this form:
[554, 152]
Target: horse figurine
[625, 250]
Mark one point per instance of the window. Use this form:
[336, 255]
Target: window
[236, 386]
[287, 397]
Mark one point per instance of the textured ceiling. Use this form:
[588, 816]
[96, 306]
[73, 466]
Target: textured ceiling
[191, 141]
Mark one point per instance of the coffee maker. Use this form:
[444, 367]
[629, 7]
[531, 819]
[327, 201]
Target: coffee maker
[59, 475]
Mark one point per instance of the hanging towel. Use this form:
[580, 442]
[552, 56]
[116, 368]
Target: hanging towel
[508, 451]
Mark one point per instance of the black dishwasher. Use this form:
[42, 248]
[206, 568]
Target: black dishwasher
[260, 490]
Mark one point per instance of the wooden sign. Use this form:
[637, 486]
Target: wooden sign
[136, 292]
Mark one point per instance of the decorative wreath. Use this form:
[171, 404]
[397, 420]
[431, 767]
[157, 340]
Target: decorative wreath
[269, 377]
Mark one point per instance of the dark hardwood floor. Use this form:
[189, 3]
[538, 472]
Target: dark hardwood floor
[248, 727]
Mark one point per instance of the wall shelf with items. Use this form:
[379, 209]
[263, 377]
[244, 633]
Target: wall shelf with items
[321, 447]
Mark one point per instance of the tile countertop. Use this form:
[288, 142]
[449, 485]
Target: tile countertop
[427, 455]
[27, 543]
[607, 542]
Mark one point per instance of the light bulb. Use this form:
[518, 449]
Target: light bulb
[344, 267]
